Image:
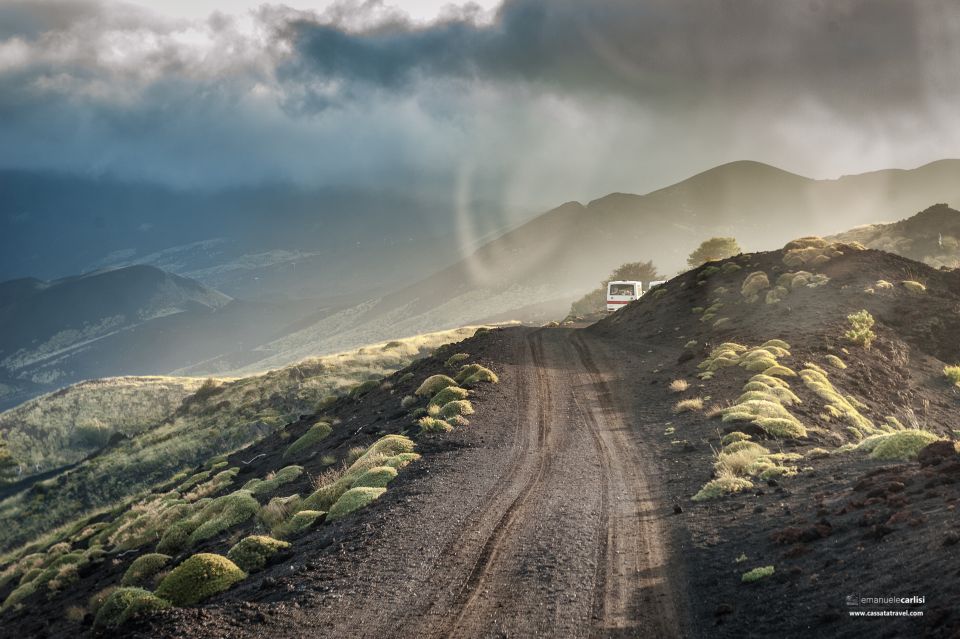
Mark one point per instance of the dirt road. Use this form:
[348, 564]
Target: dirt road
[569, 541]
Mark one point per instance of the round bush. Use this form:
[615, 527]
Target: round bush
[449, 394]
[299, 523]
[198, 577]
[391, 445]
[124, 603]
[433, 425]
[903, 445]
[311, 438]
[458, 407]
[266, 486]
[252, 553]
[453, 360]
[144, 568]
[433, 385]
[376, 477]
[474, 373]
[352, 500]
[224, 513]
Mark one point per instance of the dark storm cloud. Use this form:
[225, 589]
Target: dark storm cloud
[572, 88]
[848, 55]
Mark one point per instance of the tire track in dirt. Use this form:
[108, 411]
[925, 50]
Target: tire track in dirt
[634, 594]
[471, 554]
[491, 549]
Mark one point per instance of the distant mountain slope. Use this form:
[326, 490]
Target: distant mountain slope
[270, 240]
[130, 321]
[931, 236]
[533, 272]
[570, 247]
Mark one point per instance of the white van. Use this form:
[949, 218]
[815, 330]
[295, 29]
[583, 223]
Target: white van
[621, 293]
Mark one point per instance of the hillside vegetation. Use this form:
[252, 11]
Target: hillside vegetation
[65, 426]
[221, 416]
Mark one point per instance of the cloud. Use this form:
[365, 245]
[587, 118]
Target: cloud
[656, 50]
[538, 101]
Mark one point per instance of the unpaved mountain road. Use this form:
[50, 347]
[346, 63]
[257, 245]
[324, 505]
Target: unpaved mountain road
[568, 542]
[542, 519]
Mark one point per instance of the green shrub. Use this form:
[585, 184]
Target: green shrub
[19, 594]
[779, 371]
[453, 360]
[870, 443]
[456, 407]
[953, 374]
[903, 445]
[252, 553]
[401, 460]
[311, 438]
[449, 394]
[283, 476]
[224, 513]
[759, 364]
[299, 523]
[217, 483]
[753, 284]
[776, 295]
[390, 445]
[477, 374]
[406, 377]
[781, 428]
[199, 577]
[193, 480]
[377, 455]
[216, 516]
[143, 569]
[764, 395]
[757, 574]
[433, 425]
[860, 331]
[352, 500]
[376, 477]
[471, 371]
[125, 603]
[721, 487]
[433, 385]
[363, 388]
[914, 287]
[408, 401]
[735, 436]
[836, 362]
[29, 576]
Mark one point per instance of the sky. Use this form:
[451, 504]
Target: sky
[529, 102]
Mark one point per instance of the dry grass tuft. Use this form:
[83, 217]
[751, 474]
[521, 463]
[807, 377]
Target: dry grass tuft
[679, 385]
